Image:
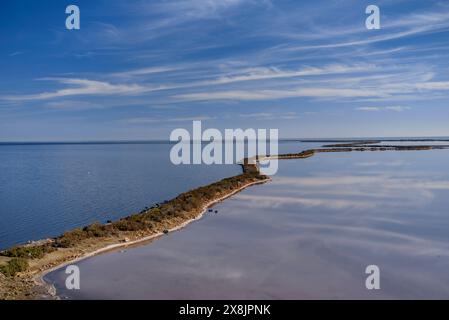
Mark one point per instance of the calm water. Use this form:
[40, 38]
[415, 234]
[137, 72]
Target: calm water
[310, 233]
[48, 189]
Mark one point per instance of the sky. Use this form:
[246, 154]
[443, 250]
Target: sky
[138, 69]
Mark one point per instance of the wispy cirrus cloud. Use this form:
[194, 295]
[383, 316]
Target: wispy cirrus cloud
[271, 115]
[81, 87]
[197, 56]
[195, 9]
[276, 73]
[146, 120]
[145, 71]
[387, 108]
[256, 95]
[411, 25]
[16, 53]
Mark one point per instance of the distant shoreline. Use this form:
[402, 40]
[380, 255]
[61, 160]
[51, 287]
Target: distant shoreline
[124, 142]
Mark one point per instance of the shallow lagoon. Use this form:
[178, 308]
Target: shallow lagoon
[310, 233]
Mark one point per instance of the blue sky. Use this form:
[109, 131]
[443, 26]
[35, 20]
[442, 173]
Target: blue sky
[139, 69]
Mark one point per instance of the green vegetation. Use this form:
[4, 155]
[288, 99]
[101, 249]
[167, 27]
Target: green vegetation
[13, 266]
[31, 252]
[95, 230]
[184, 206]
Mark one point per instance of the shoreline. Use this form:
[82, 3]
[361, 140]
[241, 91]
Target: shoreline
[44, 256]
[39, 278]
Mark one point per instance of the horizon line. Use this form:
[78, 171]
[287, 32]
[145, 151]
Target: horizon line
[160, 141]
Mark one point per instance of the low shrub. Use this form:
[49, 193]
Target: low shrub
[95, 230]
[31, 252]
[70, 238]
[128, 225]
[14, 266]
[98, 230]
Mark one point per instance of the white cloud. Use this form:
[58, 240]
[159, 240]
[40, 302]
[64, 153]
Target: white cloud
[16, 53]
[370, 109]
[425, 23]
[275, 73]
[397, 108]
[388, 108]
[195, 9]
[442, 85]
[82, 87]
[145, 71]
[270, 116]
[73, 105]
[278, 94]
[159, 120]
